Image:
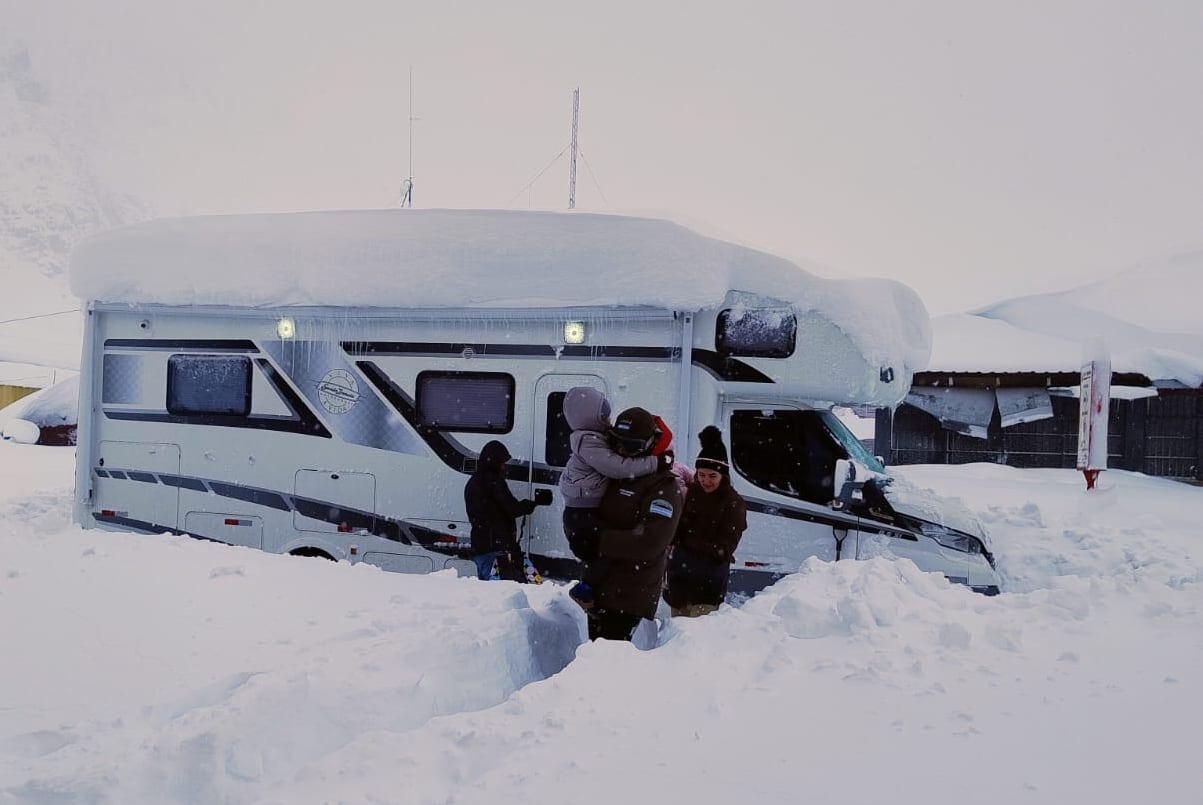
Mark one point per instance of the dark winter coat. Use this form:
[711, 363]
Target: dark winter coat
[492, 507]
[711, 527]
[639, 517]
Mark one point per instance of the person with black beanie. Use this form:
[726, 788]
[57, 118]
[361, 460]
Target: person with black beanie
[714, 520]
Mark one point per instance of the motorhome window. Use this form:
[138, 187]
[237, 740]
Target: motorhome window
[476, 402]
[557, 447]
[208, 384]
[749, 333]
[785, 451]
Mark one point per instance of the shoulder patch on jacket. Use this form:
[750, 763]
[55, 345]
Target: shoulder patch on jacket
[661, 508]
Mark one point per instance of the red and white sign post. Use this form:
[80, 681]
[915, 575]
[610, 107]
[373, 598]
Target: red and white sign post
[1094, 406]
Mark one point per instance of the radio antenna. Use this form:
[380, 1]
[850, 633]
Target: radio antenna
[576, 105]
[407, 186]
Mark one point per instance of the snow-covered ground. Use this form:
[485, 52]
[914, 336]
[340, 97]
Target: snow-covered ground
[165, 670]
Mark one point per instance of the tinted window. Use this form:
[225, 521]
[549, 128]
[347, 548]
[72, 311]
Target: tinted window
[756, 333]
[558, 448]
[789, 452]
[208, 384]
[481, 402]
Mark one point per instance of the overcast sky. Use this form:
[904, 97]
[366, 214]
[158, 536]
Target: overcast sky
[974, 150]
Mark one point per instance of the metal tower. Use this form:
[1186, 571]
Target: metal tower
[576, 103]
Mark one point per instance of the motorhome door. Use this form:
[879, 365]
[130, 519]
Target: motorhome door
[783, 463]
[549, 453]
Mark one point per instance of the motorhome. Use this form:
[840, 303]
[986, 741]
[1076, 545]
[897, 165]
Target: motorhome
[320, 384]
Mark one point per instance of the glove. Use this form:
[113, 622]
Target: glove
[542, 497]
[666, 461]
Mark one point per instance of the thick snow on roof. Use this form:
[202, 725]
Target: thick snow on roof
[1147, 318]
[476, 258]
[29, 375]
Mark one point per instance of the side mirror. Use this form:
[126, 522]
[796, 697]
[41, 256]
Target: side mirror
[848, 490]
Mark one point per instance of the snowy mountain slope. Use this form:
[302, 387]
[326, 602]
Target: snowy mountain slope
[49, 199]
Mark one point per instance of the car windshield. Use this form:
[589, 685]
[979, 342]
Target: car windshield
[855, 447]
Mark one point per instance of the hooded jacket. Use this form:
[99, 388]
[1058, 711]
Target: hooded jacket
[492, 507]
[593, 461]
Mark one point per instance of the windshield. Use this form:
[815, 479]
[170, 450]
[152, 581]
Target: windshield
[855, 447]
[794, 452]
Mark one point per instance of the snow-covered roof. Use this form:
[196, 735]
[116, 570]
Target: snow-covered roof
[477, 258]
[29, 375]
[53, 405]
[1146, 317]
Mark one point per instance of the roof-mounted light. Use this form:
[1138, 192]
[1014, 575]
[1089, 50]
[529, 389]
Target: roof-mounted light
[574, 332]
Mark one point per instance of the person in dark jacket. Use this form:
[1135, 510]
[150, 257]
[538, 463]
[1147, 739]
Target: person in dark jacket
[492, 510]
[586, 476]
[639, 517]
[712, 524]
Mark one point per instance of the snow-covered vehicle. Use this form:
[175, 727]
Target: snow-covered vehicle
[321, 383]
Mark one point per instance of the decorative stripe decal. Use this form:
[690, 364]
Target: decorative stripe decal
[622, 353]
[415, 348]
[726, 368]
[321, 510]
[418, 348]
[301, 420]
[448, 449]
[860, 524]
[722, 368]
[207, 345]
[260, 497]
[305, 418]
[182, 483]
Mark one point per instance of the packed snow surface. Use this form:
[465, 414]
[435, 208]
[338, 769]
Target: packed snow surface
[157, 669]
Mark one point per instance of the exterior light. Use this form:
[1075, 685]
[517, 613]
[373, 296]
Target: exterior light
[285, 328]
[574, 332]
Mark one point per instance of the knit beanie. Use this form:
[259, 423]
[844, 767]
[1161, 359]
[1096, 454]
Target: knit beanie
[635, 430]
[713, 455]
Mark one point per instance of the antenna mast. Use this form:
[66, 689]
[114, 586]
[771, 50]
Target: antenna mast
[576, 103]
[407, 187]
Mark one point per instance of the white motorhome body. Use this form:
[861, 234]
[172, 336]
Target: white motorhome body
[348, 430]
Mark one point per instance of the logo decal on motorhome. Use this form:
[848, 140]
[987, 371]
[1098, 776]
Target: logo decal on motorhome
[338, 391]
